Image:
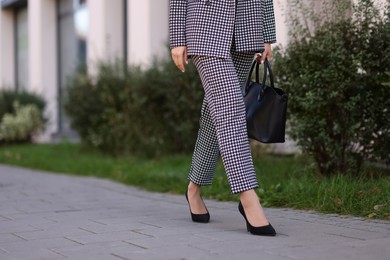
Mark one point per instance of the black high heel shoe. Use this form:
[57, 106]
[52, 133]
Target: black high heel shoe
[260, 231]
[200, 218]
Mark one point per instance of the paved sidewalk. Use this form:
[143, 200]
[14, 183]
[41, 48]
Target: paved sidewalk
[53, 216]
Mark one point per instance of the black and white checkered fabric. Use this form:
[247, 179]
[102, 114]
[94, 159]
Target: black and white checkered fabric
[207, 27]
[223, 124]
[222, 37]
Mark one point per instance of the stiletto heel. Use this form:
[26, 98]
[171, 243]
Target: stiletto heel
[267, 230]
[200, 218]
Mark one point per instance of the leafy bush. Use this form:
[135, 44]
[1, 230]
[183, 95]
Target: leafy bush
[129, 110]
[21, 115]
[22, 125]
[337, 79]
[8, 97]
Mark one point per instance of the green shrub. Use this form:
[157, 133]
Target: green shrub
[90, 104]
[22, 125]
[8, 97]
[129, 110]
[169, 102]
[339, 100]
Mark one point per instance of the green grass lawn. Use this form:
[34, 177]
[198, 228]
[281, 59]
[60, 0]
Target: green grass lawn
[285, 181]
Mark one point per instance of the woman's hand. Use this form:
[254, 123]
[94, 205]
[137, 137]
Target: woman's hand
[179, 56]
[267, 54]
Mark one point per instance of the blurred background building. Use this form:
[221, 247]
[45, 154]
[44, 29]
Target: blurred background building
[42, 42]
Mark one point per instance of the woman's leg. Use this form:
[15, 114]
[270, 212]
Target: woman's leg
[227, 111]
[249, 199]
[205, 156]
[204, 160]
[207, 150]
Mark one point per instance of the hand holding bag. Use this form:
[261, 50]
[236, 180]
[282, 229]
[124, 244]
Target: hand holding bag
[266, 107]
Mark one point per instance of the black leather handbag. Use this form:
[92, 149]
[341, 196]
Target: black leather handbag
[266, 107]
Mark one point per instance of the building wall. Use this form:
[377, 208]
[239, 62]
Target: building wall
[147, 30]
[42, 58]
[281, 13]
[7, 58]
[106, 35]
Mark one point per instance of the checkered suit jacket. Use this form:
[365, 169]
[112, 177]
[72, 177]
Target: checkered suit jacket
[207, 27]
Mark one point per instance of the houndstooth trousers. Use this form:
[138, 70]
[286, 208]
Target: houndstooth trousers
[223, 122]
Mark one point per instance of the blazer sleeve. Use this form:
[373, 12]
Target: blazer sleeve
[177, 23]
[269, 29]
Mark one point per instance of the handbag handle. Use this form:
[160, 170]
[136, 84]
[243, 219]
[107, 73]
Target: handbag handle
[267, 68]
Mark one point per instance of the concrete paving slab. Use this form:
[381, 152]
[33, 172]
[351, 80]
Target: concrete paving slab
[54, 216]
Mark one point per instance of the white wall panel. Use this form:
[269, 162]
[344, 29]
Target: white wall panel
[7, 50]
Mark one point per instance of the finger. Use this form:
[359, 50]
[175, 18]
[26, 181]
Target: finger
[179, 64]
[186, 55]
[178, 59]
[258, 58]
[263, 57]
[269, 55]
[269, 52]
